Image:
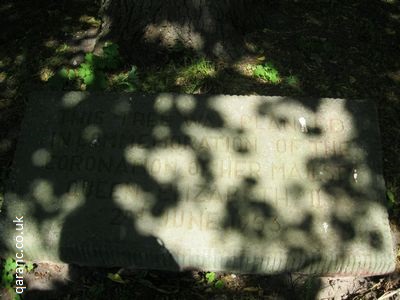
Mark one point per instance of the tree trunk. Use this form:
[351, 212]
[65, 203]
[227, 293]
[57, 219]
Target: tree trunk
[211, 26]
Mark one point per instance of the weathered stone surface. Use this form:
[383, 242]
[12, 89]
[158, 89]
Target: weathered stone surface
[243, 183]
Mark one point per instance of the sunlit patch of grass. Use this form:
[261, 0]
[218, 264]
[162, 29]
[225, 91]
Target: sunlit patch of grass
[267, 72]
[189, 76]
[193, 75]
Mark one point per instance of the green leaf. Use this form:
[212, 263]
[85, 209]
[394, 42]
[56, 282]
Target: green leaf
[85, 70]
[259, 71]
[7, 273]
[267, 72]
[391, 198]
[210, 276]
[10, 265]
[63, 73]
[71, 74]
[86, 73]
[88, 78]
[89, 58]
[29, 266]
[219, 284]
[292, 81]
[115, 277]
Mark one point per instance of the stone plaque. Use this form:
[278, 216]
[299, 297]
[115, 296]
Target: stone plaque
[249, 184]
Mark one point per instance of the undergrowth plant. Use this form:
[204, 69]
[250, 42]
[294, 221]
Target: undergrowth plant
[212, 280]
[194, 74]
[92, 74]
[7, 272]
[187, 75]
[267, 72]
[127, 81]
[292, 81]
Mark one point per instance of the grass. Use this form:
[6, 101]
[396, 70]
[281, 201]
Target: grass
[188, 76]
[97, 72]
[268, 73]
[192, 76]
[292, 81]
[7, 275]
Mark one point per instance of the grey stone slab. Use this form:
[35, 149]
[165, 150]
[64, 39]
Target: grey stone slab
[249, 184]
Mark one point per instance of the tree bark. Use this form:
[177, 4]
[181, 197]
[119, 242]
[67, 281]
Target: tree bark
[212, 26]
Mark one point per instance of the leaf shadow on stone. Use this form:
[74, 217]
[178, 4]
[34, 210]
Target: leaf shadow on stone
[104, 213]
[248, 215]
[83, 222]
[338, 187]
[164, 196]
